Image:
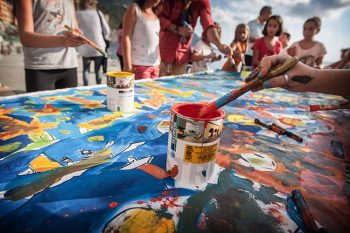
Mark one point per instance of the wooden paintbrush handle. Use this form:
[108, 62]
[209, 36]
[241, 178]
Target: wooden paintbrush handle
[275, 71]
[87, 41]
[279, 70]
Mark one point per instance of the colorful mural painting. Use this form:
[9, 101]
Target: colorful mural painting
[68, 164]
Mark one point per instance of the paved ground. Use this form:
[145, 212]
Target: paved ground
[12, 74]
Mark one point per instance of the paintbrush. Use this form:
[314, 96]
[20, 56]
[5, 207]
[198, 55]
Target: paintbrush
[252, 84]
[87, 41]
[278, 129]
[345, 105]
[304, 211]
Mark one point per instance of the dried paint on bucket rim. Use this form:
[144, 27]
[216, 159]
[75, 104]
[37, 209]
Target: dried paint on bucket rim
[191, 110]
[120, 80]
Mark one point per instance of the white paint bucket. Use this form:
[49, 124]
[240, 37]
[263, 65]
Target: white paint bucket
[120, 91]
[192, 144]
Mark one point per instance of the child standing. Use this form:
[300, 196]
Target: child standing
[239, 47]
[141, 39]
[50, 61]
[269, 44]
[203, 54]
[284, 38]
[309, 51]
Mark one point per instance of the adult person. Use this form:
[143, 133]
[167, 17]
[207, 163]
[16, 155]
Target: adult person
[256, 27]
[303, 78]
[178, 20]
[50, 62]
[94, 26]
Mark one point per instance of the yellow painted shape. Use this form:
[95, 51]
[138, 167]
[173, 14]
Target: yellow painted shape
[13, 128]
[96, 139]
[10, 147]
[85, 92]
[43, 164]
[63, 119]
[137, 105]
[240, 119]
[102, 121]
[145, 221]
[261, 97]
[65, 131]
[292, 121]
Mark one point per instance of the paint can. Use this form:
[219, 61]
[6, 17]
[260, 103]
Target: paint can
[193, 143]
[120, 91]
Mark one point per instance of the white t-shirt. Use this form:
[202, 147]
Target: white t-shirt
[49, 18]
[256, 29]
[203, 49]
[309, 56]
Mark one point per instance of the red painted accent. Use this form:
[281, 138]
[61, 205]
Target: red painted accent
[165, 193]
[314, 108]
[113, 204]
[191, 110]
[140, 202]
[173, 171]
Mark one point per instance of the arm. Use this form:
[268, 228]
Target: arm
[209, 28]
[255, 57]
[345, 59]
[233, 45]
[199, 57]
[235, 52]
[29, 38]
[303, 78]
[319, 62]
[214, 38]
[129, 21]
[291, 51]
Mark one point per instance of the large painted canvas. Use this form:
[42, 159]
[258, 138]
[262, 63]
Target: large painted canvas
[68, 164]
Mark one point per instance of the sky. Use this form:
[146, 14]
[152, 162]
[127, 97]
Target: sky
[335, 16]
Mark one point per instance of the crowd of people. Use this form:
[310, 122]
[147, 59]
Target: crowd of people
[154, 40]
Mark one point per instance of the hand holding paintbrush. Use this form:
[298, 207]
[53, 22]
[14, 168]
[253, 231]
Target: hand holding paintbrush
[87, 41]
[254, 82]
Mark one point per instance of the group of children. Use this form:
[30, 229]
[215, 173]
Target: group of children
[275, 41]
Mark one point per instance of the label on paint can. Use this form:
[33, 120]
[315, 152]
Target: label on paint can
[120, 91]
[120, 100]
[200, 154]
